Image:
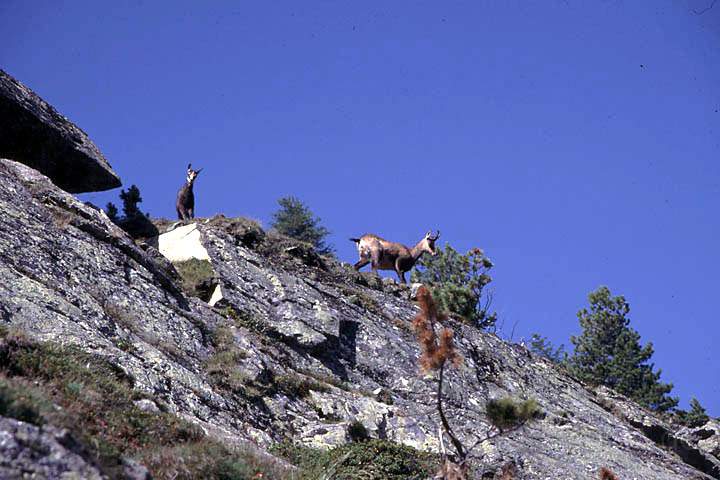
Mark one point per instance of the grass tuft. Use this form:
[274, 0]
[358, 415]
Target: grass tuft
[43, 383]
[198, 278]
[507, 413]
[368, 460]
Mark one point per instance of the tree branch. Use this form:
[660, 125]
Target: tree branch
[456, 443]
[700, 12]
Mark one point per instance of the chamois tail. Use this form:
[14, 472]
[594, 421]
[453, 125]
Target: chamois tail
[356, 240]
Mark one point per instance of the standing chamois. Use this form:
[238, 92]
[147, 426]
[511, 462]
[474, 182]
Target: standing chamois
[386, 255]
[185, 203]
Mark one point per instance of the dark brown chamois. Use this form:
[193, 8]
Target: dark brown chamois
[185, 203]
[384, 255]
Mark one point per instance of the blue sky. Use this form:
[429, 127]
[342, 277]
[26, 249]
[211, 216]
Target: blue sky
[576, 142]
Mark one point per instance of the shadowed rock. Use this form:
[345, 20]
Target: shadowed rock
[34, 133]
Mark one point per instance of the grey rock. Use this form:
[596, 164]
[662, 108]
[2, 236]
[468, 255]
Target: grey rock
[707, 437]
[27, 451]
[34, 133]
[67, 274]
[147, 405]
[687, 446]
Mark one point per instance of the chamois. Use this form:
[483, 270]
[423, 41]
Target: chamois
[384, 255]
[185, 203]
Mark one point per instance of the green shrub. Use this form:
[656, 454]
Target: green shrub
[20, 402]
[507, 413]
[209, 459]
[458, 283]
[369, 460]
[357, 432]
[297, 386]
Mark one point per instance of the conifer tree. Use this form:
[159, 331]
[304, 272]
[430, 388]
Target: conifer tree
[608, 352]
[112, 212]
[295, 220]
[696, 417]
[457, 282]
[540, 345]
[130, 199]
[136, 223]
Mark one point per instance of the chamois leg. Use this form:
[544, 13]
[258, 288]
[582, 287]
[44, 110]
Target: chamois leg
[400, 272]
[361, 263]
[375, 256]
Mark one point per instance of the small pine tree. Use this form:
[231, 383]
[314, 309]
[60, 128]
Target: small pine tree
[696, 417]
[130, 200]
[542, 346]
[295, 220]
[136, 223]
[457, 282]
[112, 212]
[608, 352]
[437, 353]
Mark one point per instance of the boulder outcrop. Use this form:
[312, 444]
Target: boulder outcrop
[34, 133]
[27, 451]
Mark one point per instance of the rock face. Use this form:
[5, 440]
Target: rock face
[34, 133]
[321, 345]
[707, 437]
[27, 451]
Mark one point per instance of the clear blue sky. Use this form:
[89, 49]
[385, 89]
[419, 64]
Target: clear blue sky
[576, 142]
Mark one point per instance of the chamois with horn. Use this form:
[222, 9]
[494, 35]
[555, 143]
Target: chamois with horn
[185, 203]
[385, 255]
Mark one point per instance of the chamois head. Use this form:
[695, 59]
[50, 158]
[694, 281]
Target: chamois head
[192, 174]
[427, 244]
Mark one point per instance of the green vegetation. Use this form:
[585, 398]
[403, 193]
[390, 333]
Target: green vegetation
[357, 432]
[136, 223]
[457, 283]
[197, 278]
[245, 319]
[21, 401]
[507, 413]
[297, 386]
[295, 220]
[222, 365]
[542, 346]
[223, 369]
[210, 460]
[696, 417]
[97, 406]
[608, 352]
[368, 460]
[245, 231]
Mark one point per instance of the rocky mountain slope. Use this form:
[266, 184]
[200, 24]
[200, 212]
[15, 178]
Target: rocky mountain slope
[295, 348]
